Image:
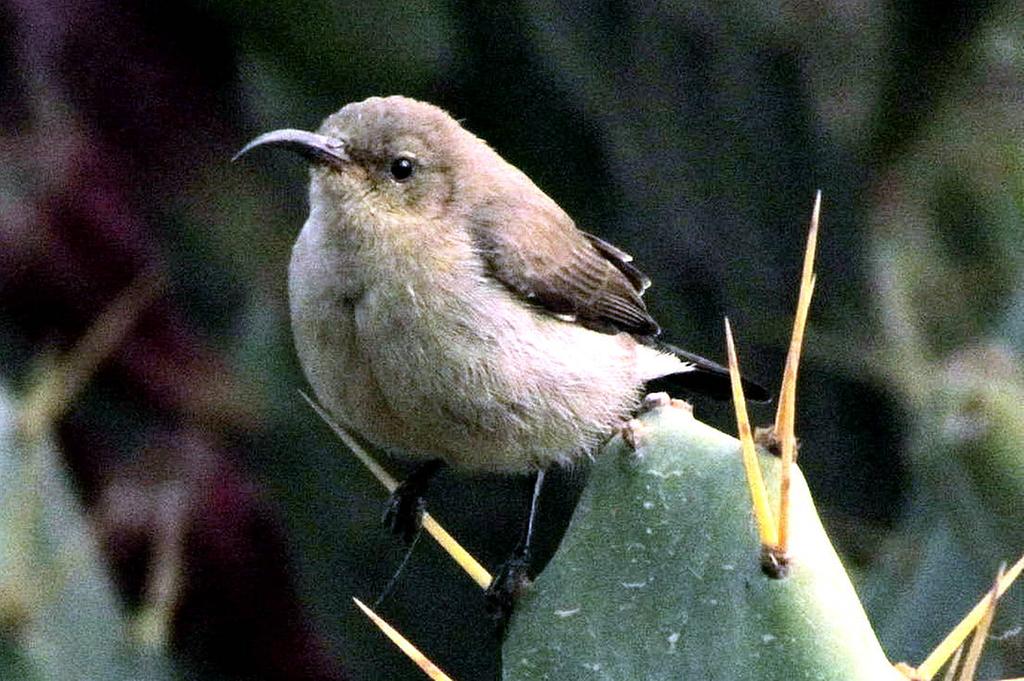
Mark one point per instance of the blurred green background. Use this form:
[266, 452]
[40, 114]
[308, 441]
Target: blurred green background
[692, 135]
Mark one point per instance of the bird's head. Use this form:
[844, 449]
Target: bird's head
[384, 155]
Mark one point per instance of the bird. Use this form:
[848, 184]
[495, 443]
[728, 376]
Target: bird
[449, 311]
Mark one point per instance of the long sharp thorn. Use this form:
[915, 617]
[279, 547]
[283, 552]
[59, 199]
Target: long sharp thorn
[955, 638]
[477, 572]
[981, 631]
[411, 651]
[785, 417]
[950, 674]
[755, 481]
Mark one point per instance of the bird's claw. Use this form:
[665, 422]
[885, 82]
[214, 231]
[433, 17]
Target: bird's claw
[403, 512]
[510, 582]
[633, 434]
[654, 401]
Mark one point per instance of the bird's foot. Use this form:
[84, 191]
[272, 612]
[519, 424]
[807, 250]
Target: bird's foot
[510, 582]
[655, 401]
[634, 432]
[403, 512]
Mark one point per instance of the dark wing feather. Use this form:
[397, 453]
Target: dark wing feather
[533, 248]
[622, 260]
[703, 377]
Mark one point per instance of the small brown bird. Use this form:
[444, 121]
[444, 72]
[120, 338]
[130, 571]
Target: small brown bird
[447, 309]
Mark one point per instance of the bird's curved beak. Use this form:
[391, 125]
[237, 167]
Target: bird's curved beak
[313, 147]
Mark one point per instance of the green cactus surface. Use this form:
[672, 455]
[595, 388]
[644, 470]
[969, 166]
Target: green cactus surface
[659, 576]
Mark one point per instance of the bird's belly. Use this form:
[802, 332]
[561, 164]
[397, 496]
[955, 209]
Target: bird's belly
[483, 396]
[472, 376]
[339, 371]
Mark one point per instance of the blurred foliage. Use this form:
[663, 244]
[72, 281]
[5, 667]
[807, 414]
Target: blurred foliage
[691, 134]
[59, 612]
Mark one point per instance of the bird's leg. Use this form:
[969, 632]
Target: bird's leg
[513, 576]
[403, 511]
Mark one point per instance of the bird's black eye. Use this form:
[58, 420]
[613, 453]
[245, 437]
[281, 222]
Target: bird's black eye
[401, 168]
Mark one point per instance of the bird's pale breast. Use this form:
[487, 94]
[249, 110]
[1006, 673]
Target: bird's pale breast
[459, 370]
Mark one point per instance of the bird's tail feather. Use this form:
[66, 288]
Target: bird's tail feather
[703, 377]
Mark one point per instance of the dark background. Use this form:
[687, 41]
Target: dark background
[692, 135]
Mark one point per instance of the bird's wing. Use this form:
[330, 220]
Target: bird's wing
[534, 249]
[622, 260]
